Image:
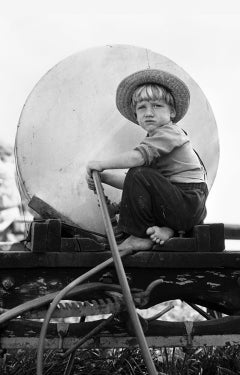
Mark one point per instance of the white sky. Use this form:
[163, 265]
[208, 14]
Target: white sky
[203, 37]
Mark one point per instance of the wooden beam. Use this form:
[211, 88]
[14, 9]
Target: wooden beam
[232, 232]
[118, 341]
[19, 334]
[46, 211]
[142, 259]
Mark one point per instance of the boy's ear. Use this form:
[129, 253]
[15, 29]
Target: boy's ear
[173, 113]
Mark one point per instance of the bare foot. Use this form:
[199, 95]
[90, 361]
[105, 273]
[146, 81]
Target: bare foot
[136, 243]
[160, 234]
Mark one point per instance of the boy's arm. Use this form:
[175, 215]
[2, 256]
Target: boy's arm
[113, 179]
[124, 160]
[110, 178]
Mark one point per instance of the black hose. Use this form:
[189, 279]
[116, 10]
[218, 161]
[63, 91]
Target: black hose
[58, 298]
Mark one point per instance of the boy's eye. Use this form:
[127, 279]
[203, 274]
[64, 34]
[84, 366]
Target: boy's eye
[141, 106]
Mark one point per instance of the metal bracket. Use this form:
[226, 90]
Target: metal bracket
[62, 329]
[189, 329]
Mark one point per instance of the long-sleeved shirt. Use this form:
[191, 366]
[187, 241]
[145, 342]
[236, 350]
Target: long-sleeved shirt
[170, 151]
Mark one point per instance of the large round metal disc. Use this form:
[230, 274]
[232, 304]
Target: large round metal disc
[70, 117]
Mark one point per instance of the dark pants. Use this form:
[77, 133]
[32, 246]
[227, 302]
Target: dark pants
[150, 199]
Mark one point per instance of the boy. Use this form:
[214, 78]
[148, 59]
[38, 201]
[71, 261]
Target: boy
[164, 189]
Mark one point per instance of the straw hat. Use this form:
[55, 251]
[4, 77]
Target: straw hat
[175, 86]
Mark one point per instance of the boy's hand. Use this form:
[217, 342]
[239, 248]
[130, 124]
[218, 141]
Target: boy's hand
[90, 183]
[94, 166]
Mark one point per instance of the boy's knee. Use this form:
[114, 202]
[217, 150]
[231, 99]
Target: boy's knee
[139, 174]
[146, 175]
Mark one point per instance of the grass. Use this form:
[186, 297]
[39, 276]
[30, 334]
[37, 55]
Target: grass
[168, 361]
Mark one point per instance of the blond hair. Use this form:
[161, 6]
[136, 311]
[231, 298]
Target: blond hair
[152, 91]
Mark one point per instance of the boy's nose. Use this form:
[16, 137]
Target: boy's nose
[149, 111]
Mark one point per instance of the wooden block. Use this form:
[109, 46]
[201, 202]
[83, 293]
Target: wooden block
[39, 232]
[46, 211]
[88, 244]
[202, 236]
[82, 245]
[176, 244]
[53, 235]
[217, 237]
[232, 231]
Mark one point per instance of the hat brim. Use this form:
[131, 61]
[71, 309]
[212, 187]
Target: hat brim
[174, 85]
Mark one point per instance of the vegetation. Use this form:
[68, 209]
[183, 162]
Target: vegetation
[168, 361]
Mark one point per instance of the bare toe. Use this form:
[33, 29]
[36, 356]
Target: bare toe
[150, 231]
[160, 234]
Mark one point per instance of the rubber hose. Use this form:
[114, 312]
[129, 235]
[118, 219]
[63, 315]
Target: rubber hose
[60, 296]
[123, 279]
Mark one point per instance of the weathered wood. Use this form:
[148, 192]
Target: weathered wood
[217, 237]
[119, 341]
[142, 259]
[46, 236]
[176, 244]
[46, 211]
[227, 325]
[54, 235]
[202, 235]
[217, 332]
[217, 289]
[232, 232]
[39, 232]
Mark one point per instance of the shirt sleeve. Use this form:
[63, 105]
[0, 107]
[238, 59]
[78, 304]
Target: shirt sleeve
[168, 138]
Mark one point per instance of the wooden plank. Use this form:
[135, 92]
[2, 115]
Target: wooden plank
[118, 341]
[224, 326]
[19, 334]
[232, 231]
[177, 244]
[142, 259]
[46, 211]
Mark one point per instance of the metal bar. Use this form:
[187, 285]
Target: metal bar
[122, 277]
[200, 311]
[161, 313]
[88, 336]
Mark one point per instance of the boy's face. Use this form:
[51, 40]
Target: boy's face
[152, 114]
